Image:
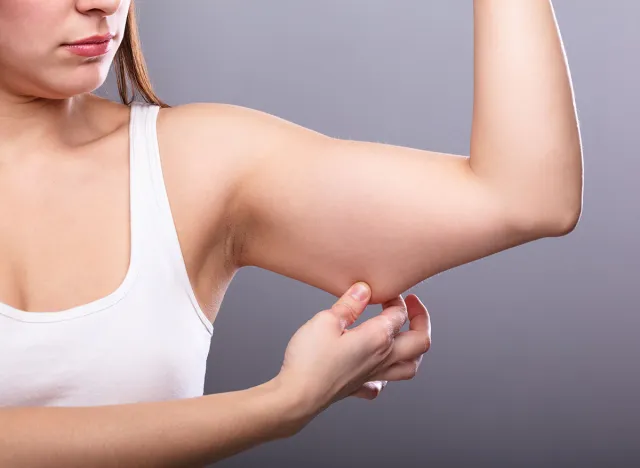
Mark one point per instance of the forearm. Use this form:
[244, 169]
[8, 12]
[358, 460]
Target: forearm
[190, 432]
[525, 139]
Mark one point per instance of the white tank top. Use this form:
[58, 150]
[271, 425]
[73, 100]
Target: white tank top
[146, 341]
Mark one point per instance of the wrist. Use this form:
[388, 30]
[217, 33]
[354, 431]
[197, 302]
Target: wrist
[294, 411]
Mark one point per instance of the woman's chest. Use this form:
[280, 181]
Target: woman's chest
[127, 353]
[66, 234]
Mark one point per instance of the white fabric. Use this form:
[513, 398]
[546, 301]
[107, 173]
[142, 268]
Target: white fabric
[146, 341]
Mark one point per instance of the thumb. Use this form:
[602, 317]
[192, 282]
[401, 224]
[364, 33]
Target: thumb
[351, 305]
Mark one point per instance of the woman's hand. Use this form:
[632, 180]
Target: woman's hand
[408, 349]
[325, 362]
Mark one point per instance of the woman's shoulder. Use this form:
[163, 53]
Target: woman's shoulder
[222, 123]
[211, 140]
[204, 138]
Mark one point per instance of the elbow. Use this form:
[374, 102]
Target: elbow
[566, 204]
[557, 223]
[551, 218]
[554, 210]
[567, 214]
[566, 222]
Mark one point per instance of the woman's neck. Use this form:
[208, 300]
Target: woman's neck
[28, 123]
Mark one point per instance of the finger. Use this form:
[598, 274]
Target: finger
[370, 390]
[391, 320]
[419, 318]
[417, 340]
[394, 316]
[352, 303]
[396, 310]
[408, 345]
[402, 370]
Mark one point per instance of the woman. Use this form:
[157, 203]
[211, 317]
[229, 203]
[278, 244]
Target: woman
[121, 226]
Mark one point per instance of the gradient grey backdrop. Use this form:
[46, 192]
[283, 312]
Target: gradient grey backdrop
[535, 350]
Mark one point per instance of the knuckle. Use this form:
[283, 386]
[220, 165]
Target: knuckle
[427, 345]
[349, 308]
[383, 338]
[409, 369]
[386, 323]
[400, 312]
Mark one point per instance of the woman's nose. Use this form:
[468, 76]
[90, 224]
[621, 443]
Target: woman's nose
[98, 7]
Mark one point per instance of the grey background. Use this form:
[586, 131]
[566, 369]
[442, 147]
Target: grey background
[535, 350]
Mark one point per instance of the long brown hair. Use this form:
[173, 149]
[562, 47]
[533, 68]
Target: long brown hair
[130, 67]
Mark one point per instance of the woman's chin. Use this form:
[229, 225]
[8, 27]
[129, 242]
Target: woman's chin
[81, 83]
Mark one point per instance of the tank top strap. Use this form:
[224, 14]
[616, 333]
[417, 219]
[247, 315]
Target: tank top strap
[152, 220]
[141, 124]
[144, 160]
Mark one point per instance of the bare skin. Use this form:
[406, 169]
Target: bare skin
[45, 188]
[64, 173]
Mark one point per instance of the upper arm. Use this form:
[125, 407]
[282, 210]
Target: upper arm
[329, 212]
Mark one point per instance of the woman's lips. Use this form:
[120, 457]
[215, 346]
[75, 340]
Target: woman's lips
[94, 46]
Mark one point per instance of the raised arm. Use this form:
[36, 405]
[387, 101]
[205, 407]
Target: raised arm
[418, 213]
[525, 141]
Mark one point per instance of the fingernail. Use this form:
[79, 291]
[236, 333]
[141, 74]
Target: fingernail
[359, 292]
